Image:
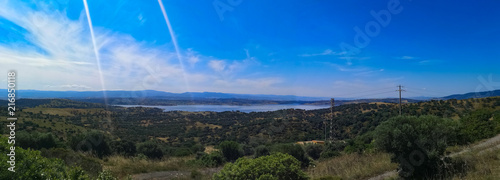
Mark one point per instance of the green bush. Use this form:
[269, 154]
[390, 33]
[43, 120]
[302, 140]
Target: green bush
[314, 150]
[477, 125]
[150, 149]
[277, 166]
[261, 151]
[295, 150]
[106, 175]
[231, 150]
[36, 140]
[213, 159]
[93, 141]
[360, 144]
[124, 148]
[29, 164]
[417, 143]
[90, 165]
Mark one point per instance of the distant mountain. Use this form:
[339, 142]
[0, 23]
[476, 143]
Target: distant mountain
[36, 94]
[473, 95]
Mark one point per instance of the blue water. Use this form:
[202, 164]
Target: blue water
[222, 108]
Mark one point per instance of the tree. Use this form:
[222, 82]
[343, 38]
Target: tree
[231, 150]
[277, 166]
[417, 143]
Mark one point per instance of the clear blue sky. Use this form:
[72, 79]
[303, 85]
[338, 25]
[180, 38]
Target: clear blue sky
[434, 48]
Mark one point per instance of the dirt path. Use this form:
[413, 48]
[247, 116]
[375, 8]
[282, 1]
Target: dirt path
[484, 146]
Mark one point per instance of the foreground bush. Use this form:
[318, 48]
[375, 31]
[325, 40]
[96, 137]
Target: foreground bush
[417, 143]
[29, 164]
[89, 164]
[276, 166]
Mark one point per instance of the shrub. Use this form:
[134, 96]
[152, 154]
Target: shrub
[124, 147]
[213, 159]
[295, 150]
[36, 140]
[276, 166]
[231, 150]
[477, 125]
[417, 144]
[94, 141]
[261, 151]
[90, 165]
[314, 150]
[150, 149]
[106, 175]
[29, 164]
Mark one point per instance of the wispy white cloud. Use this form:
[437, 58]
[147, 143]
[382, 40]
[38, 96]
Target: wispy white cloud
[217, 65]
[406, 57]
[75, 87]
[324, 53]
[63, 57]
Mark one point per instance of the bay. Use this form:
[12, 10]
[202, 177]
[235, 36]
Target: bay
[222, 108]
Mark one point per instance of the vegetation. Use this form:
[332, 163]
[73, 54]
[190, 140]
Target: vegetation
[276, 166]
[294, 150]
[417, 143]
[231, 150]
[89, 137]
[29, 164]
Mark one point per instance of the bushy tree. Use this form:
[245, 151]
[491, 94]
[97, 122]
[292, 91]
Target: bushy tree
[150, 149]
[417, 143]
[124, 147]
[277, 166]
[231, 150]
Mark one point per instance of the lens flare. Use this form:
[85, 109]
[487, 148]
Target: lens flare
[174, 41]
[96, 52]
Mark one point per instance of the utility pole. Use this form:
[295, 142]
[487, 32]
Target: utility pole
[400, 98]
[332, 103]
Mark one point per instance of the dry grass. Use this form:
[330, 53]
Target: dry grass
[121, 166]
[486, 165]
[353, 166]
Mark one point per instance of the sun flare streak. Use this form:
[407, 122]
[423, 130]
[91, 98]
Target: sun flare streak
[174, 41]
[96, 51]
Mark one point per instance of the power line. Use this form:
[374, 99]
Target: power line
[385, 92]
[362, 92]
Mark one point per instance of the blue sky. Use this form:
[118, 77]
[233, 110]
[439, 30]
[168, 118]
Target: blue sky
[308, 48]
